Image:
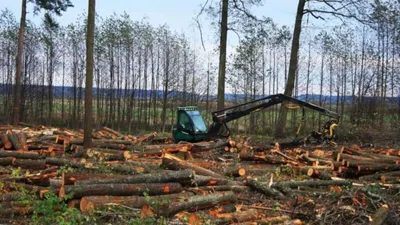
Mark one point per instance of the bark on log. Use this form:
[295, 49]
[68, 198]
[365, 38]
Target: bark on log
[37, 164]
[22, 141]
[320, 174]
[6, 161]
[14, 140]
[377, 167]
[263, 158]
[311, 183]
[235, 172]
[176, 163]
[4, 142]
[356, 158]
[200, 180]
[79, 191]
[380, 215]
[207, 189]
[109, 130]
[198, 202]
[20, 155]
[378, 176]
[164, 176]
[90, 203]
[64, 162]
[265, 189]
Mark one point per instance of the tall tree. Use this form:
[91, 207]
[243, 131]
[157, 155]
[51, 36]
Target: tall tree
[87, 141]
[50, 6]
[18, 64]
[292, 67]
[340, 9]
[222, 54]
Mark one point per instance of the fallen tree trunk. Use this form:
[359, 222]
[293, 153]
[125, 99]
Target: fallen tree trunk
[79, 191]
[6, 161]
[374, 167]
[311, 183]
[176, 163]
[164, 176]
[37, 164]
[198, 202]
[64, 162]
[320, 174]
[90, 203]
[378, 176]
[245, 156]
[265, 189]
[20, 155]
[199, 180]
[234, 188]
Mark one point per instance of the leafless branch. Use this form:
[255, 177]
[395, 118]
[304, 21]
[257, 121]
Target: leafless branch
[199, 24]
[234, 31]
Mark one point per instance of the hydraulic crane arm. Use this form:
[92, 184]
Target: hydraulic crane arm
[221, 117]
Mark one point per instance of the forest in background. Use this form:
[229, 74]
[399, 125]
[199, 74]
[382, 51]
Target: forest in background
[353, 60]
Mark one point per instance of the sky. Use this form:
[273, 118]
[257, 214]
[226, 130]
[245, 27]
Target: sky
[177, 14]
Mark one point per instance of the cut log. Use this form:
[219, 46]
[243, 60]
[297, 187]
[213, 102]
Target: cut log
[6, 161]
[320, 174]
[79, 191]
[127, 169]
[235, 172]
[374, 167]
[64, 162]
[368, 154]
[163, 176]
[22, 141]
[311, 183]
[176, 163]
[356, 158]
[109, 130]
[198, 202]
[157, 150]
[245, 156]
[20, 155]
[200, 180]
[380, 215]
[37, 164]
[4, 142]
[14, 140]
[234, 188]
[265, 189]
[147, 137]
[378, 176]
[90, 203]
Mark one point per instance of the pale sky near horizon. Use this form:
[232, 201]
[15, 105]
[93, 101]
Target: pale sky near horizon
[177, 14]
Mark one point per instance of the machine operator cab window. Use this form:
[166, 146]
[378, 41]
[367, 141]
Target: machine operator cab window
[191, 121]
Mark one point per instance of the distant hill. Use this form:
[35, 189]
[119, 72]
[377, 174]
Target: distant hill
[68, 93]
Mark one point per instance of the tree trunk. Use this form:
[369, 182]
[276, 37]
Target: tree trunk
[17, 89]
[78, 191]
[279, 132]
[160, 177]
[89, 76]
[222, 54]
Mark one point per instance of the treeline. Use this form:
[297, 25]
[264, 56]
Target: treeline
[130, 57]
[145, 72]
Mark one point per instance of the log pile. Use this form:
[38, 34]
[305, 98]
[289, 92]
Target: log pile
[233, 181]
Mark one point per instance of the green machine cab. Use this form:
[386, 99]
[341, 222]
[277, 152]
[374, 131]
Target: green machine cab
[190, 125]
